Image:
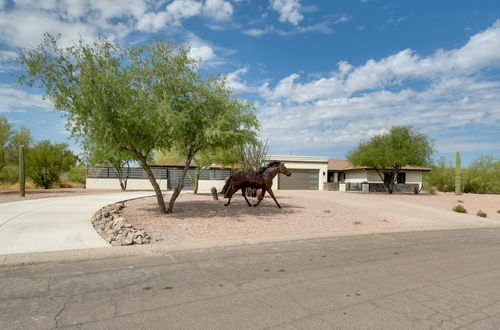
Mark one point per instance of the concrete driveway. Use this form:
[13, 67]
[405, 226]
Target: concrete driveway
[409, 216]
[54, 224]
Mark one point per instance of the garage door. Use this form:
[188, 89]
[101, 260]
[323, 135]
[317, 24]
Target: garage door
[300, 180]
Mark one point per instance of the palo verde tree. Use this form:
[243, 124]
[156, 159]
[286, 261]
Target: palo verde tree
[45, 162]
[212, 117]
[137, 100]
[118, 160]
[388, 153]
[10, 140]
[119, 98]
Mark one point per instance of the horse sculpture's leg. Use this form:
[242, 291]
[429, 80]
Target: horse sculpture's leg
[245, 196]
[230, 194]
[272, 195]
[261, 197]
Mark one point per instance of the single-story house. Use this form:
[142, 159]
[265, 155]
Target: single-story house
[308, 173]
[343, 176]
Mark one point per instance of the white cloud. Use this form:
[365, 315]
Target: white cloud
[218, 10]
[259, 32]
[289, 10]
[18, 100]
[455, 94]
[479, 52]
[7, 55]
[179, 10]
[202, 51]
[22, 27]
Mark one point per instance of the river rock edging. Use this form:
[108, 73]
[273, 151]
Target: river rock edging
[115, 229]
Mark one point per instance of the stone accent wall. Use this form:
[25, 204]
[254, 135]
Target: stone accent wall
[331, 186]
[398, 187]
[115, 229]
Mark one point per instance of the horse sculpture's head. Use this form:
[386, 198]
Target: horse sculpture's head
[284, 170]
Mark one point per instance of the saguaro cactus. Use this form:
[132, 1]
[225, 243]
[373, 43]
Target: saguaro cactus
[22, 172]
[458, 175]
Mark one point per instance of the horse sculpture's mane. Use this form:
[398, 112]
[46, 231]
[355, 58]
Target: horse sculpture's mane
[271, 164]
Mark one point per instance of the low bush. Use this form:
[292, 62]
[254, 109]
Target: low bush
[432, 190]
[77, 174]
[460, 209]
[481, 214]
[9, 175]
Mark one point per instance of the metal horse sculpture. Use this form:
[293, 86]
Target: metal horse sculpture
[263, 179]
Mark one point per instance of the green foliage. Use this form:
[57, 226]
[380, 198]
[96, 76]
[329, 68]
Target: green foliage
[10, 140]
[22, 172]
[388, 153]
[78, 173]
[253, 154]
[432, 190]
[441, 176]
[46, 161]
[481, 214]
[458, 174]
[211, 118]
[481, 176]
[167, 157]
[137, 100]
[459, 208]
[9, 174]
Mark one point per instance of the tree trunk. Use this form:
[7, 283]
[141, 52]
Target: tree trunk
[156, 186]
[123, 179]
[196, 180]
[180, 185]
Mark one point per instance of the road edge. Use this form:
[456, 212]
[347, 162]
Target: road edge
[81, 255]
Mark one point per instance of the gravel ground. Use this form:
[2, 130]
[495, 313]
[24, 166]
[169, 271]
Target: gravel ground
[487, 203]
[199, 217]
[13, 196]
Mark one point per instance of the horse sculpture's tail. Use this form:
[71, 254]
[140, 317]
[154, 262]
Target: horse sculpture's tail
[226, 189]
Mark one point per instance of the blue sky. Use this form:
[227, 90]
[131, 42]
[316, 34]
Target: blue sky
[324, 75]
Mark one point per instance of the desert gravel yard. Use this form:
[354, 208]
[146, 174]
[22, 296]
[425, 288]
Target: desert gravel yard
[488, 203]
[199, 217]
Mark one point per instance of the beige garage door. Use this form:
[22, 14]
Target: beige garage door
[299, 180]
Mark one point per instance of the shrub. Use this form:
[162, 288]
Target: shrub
[45, 161]
[459, 208]
[498, 211]
[460, 201]
[9, 175]
[481, 214]
[432, 190]
[78, 173]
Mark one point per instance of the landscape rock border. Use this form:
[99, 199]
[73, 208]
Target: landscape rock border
[115, 229]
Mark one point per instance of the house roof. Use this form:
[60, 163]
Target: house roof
[343, 165]
[172, 164]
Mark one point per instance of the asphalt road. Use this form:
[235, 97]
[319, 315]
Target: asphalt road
[54, 224]
[420, 280]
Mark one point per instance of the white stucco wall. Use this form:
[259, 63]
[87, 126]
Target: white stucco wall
[206, 185]
[356, 176]
[132, 184]
[414, 177]
[373, 177]
[411, 177]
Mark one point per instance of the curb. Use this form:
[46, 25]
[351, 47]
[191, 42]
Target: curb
[24, 259]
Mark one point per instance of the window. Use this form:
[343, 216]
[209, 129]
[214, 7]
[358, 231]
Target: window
[401, 178]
